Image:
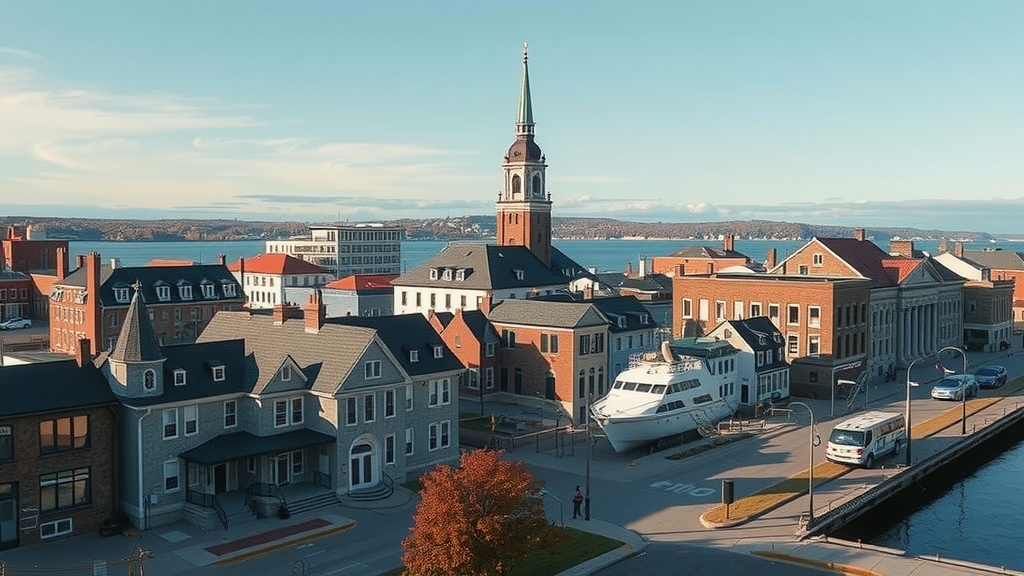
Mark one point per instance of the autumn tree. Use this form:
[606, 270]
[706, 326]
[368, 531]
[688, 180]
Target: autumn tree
[479, 519]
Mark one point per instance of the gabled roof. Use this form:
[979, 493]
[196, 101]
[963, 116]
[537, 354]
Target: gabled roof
[136, 342]
[51, 387]
[152, 276]
[708, 253]
[864, 256]
[361, 282]
[901, 268]
[406, 332]
[629, 309]
[546, 313]
[279, 264]
[198, 361]
[475, 320]
[759, 332]
[997, 259]
[326, 357]
[656, 283]
[484, 267]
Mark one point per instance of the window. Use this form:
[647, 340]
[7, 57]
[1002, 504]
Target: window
[209, 290]
[112, 320]
[814, 316]
[438, 351]
[350, 412]
[230, 414]
[56, 528]
[591, 344]
[489, 350]
[408, 441]
[773, 312]
[179, 377]
[508, 339]
[445, 434]
[389, 403]
[218, 373]
[737, 310]
[408, 397]
[163, 293]
[371, 370]
[170, 419]
[793, 314]
[473, 379]
[191, 417]
[414, 355]
[432, 437]
[755, 309]
[719, 310]
[543, 342]
[440, 392]
[818, 260]
[793, 344]
[297, 463]
[489, 378]
[405, 298]
[171, 476]
[687, 308]
[65, 489]
[296, 413]
[286, 373]
[813, 345]
[6, 443]
[149, 380]
[369, 411]
[389, 449]
[803, 270]
[61, 434]
[250, 465]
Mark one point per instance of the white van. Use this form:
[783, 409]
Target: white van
[863, 439]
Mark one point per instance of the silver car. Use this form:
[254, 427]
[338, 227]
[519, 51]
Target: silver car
[953, 387]
[15, 323]
[990, 376]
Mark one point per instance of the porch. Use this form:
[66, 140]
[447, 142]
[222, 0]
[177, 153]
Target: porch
[258, 500]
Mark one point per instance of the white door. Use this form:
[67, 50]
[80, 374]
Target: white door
[282, 469]
[362, 472]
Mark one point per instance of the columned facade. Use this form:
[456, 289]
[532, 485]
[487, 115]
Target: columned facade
[927, 322]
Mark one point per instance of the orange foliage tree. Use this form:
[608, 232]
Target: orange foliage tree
[479, 519]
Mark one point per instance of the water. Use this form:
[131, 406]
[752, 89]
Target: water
[976, 519]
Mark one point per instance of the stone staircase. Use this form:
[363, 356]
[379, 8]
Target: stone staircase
[300, 505]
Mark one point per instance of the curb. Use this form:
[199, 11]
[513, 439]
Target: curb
[250, 553]
[834, 566]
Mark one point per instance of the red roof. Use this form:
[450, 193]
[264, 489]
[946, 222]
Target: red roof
[901, 268]
[279, 264]
[363, 282]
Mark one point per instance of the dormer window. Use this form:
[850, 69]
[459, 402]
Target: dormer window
[644, 319]
[216, 369]
[229, 289]
[460, 274]
[185, 291]
[286, 373]
[447, 273]
[209, 290]
[433, 273]
[121, 295]
[437, 351]
[621, 321]
[414, 355]
[519, 274]
[80, 297]
[163, 293]
[179, 377]
[149, 380]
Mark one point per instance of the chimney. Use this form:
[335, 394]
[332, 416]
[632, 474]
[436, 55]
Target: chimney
[858, 233]
[280, 313]
[62, 263]
[629, 269]
[79, 261]
[588, 292]
[314, 313]
[241, 281]
[770, 260]
[222, 259]
[902, 247]
[93, 316]
[484, 303]
[642, 270]
[943, 246]
[958, 249]
[729, 238]
[986, 274]
[680, 270]
[113, 263]
[84, 353]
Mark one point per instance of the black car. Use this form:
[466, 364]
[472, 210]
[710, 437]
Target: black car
[990, 376]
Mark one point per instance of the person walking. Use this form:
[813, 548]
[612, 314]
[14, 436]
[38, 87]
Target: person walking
[577, 501]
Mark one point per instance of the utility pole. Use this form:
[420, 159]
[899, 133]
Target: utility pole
[590, 454]
[135, 559]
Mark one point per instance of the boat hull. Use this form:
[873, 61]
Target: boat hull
[625, 433]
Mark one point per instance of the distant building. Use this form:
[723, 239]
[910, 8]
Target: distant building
[762, 354]
[704, 260]
[1005, 265]
[26, 249]
[355, 295]
[265, 278]
[346, 249]
[988, 303]
[15, 292]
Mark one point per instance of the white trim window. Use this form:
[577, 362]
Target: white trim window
[172, 482]
[179, 377]
[489, 377]
[297, 413]
[288, 412]
[408, 397]
[230, 414]
[389, 403]
[489, 349]
[286, 373]
[369, 409]
[56, 528]
[409, 441]
[814, 316]
[371, 370]
[389, 449]
[446, 436]
[170, 421]
[432, 437]
[473, 379]
[218, 373]
[191, 417]
[351, 416]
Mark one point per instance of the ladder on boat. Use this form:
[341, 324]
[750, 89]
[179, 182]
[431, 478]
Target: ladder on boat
[854, 392]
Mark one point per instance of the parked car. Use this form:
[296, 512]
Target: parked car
[953, 387]
[990, 376]
[15, 323]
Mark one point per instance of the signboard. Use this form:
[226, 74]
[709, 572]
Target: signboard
[5, 430]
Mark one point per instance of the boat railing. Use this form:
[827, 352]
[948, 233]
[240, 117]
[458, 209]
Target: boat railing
[674, 365]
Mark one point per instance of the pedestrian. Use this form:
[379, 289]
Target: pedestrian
[577, 501]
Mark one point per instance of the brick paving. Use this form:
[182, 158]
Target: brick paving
[265, 537]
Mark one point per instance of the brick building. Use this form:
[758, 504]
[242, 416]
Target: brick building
[988, 302]
[91, 302]
[824, 321]
[26, 249]
[473, 340]
[1004, 265]
[704, 260]
[57, 451]
[15, 295]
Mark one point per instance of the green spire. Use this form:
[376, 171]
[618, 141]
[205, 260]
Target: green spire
[525, 116]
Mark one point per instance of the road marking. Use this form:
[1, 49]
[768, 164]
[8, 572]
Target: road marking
[684, 488]
[342, 569]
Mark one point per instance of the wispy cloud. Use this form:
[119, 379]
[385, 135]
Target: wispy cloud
[19, 53]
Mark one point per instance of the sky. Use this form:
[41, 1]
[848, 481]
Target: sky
[867, 113]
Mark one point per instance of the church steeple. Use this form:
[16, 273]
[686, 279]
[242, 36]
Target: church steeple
[524, 205]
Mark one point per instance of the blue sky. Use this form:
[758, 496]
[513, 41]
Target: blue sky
[868, 113]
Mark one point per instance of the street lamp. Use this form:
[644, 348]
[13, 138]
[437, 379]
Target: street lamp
[907, 418]
[963, 386]
[561, 517]
[815, 440]
[590, 454]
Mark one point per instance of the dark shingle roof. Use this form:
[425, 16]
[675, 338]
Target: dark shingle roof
[406, 332]
[544, 313]
[152, 276]
[997, 259]
[628, 308]
[485, 267]
[51, 387]
[326, 357]
[136, 342]
[758, 332]
[239, 445]
[708, 252]
[479, 325]
[198, 360]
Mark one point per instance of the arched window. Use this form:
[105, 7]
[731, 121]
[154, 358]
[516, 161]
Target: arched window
[591, 381]
[535, 186]
[149, 379]
[583, 384]
[517, 185]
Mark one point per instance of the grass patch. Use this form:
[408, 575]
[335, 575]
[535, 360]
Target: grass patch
[578, 546]
[718, 441]
[776, 494]
[481, 423]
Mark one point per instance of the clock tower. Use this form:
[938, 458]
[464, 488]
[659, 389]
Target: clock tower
[524, 205]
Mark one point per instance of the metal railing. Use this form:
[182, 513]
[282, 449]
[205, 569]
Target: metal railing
[263, 490]
[321, 479]
[207, 501]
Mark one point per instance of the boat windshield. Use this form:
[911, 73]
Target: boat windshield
[847, 437]
[618, 384]
[643, 387]
[702, 399]
[659, 389]
[629, 385]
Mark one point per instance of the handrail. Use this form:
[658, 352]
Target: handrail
[207, 501]
[220, 512]
[265, 490]
[321, 479]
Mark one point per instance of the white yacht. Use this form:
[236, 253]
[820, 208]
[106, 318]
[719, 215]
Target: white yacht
[679, 389]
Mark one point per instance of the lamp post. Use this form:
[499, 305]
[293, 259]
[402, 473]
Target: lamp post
[907, 418]
[561, 516]
[963, 386]
[590, 454]
[814, 441]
